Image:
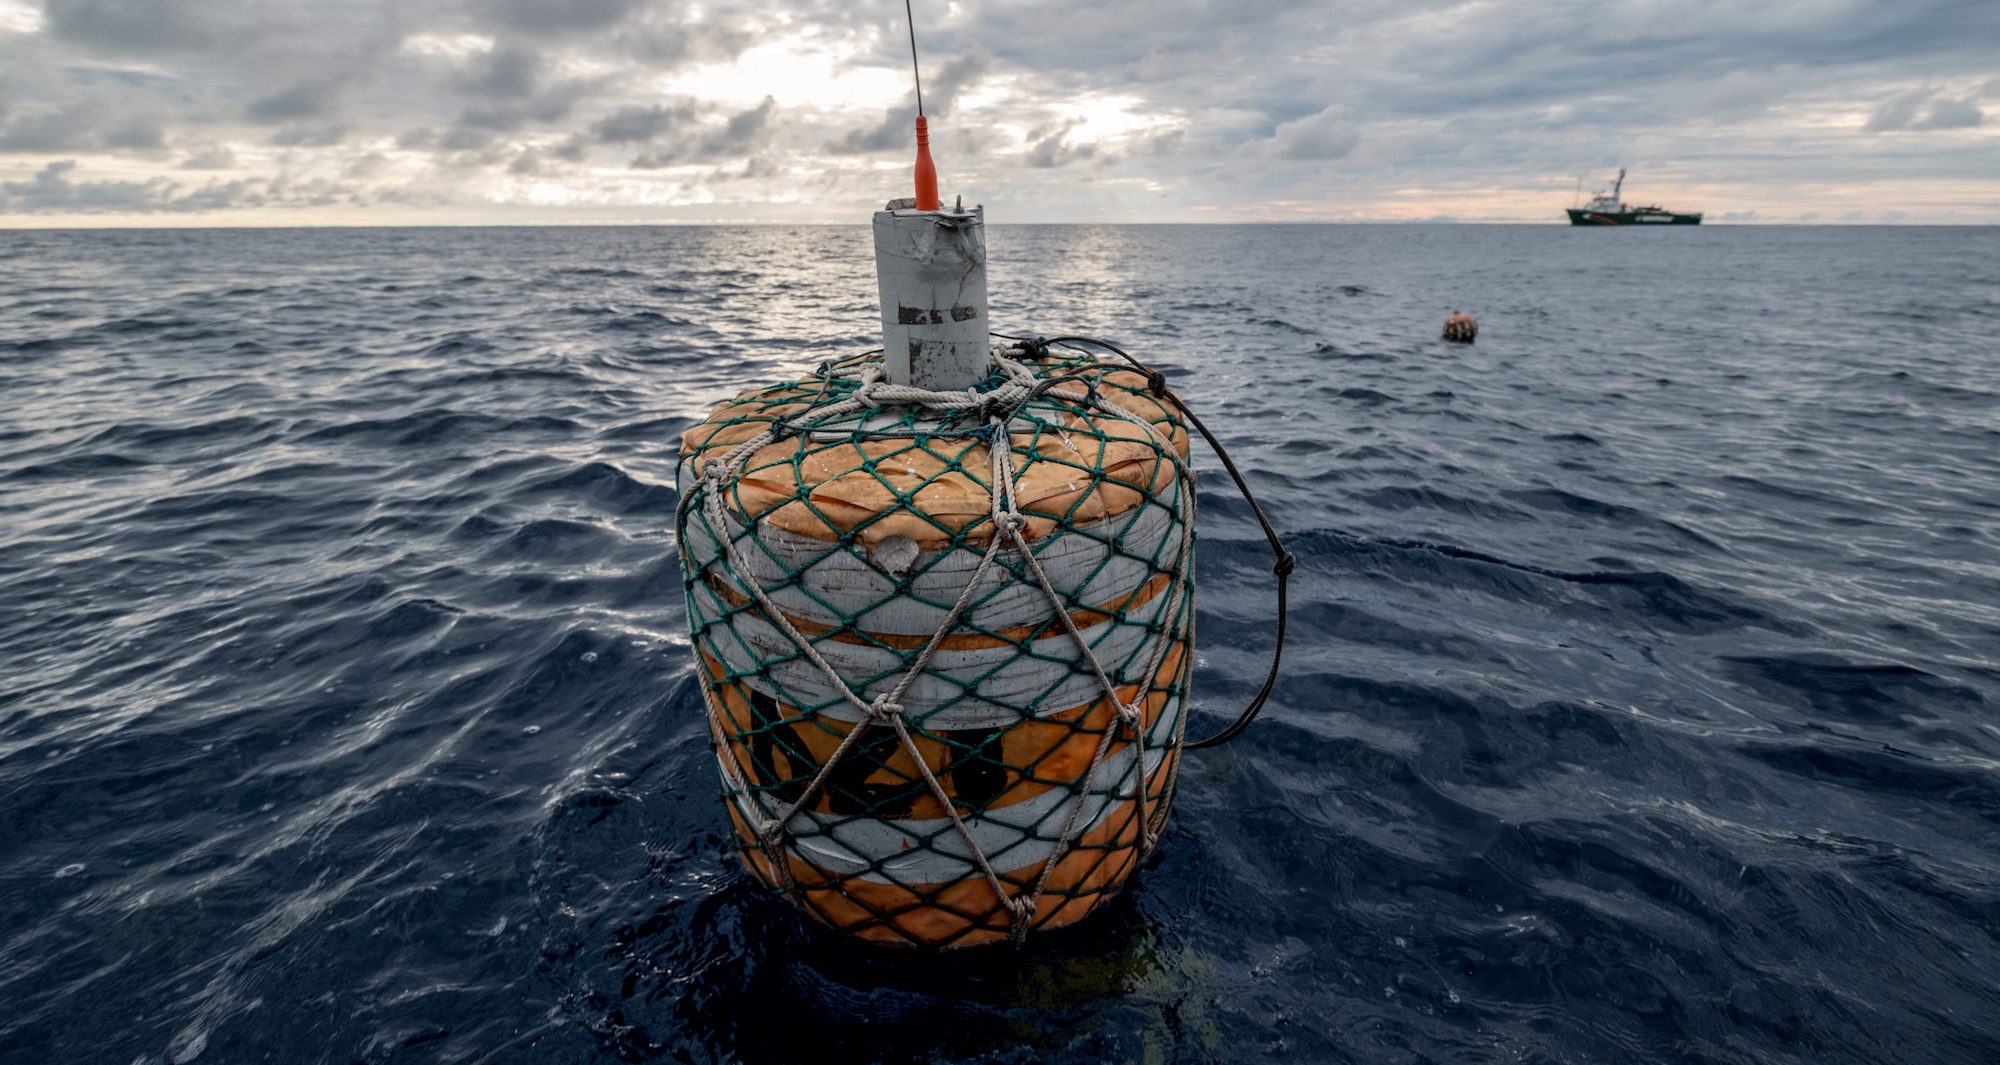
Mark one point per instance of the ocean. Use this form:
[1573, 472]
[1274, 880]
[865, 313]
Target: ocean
[1642, 705]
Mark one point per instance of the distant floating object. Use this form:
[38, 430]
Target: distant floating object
[1605, 209]
[1460, 327]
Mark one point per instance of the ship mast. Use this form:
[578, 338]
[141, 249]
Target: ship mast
[1616, 190]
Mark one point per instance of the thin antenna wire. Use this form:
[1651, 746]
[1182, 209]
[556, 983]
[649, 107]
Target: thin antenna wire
[918, 74]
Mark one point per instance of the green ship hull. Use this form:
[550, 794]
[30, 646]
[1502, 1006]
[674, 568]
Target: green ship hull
[1582, 217]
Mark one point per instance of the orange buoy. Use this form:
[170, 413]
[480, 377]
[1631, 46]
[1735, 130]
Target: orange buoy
[938, 725]
[1460, 327]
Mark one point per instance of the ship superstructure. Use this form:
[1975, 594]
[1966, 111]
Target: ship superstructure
[1607, 209]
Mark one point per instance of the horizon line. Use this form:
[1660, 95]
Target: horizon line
[5, 225]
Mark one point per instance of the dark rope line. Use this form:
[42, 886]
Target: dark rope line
[914, 72]
[1284, 561]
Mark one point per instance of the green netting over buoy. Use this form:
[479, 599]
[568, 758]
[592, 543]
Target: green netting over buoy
[946, 679]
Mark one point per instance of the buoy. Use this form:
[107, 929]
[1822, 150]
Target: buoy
[1460, 327]
[941, 601]
[942, 720]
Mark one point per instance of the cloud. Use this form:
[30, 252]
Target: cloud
[530, 163]
[897, 128]
[505, 72]
[465, 139]
[318, 135]
[1120, 37]
[742, 132]
[136, 134]
[367, 166]
[213, 157]
[94, 123]
[549, 106]
[746, 127]
[54, 190]
[676, 133]
[1898, 112]
[1953, 114]
[142, 27]
[20, 16]
[306, 99]
[1049, 147]
[559, 16]
[666, 43]
[1323, 136]
[1905, 111]
[637, 124]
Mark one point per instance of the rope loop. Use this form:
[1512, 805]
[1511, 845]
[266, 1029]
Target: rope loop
[1283, 564]
[871, 377]
[771, 832]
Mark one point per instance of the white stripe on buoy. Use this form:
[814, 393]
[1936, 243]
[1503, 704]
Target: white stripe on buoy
[958, 689]
[1082, 564]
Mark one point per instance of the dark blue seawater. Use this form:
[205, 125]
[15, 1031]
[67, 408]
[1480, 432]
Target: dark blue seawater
[1644, 704]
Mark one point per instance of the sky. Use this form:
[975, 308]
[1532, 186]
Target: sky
[390, 112]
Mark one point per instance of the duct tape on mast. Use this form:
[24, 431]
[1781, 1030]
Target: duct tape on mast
[930, 267]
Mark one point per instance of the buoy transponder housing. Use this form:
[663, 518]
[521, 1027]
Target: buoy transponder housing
[941, 602]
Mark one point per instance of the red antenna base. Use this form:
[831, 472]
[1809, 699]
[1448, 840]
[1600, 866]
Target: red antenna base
[927, 193]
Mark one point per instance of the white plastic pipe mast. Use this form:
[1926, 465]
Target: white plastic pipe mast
[930, 267]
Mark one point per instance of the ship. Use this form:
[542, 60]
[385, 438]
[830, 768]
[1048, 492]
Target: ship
[1605, 209]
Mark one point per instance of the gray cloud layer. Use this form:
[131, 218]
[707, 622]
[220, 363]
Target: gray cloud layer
[896, 129]
[53, 189]
[1181, 108]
